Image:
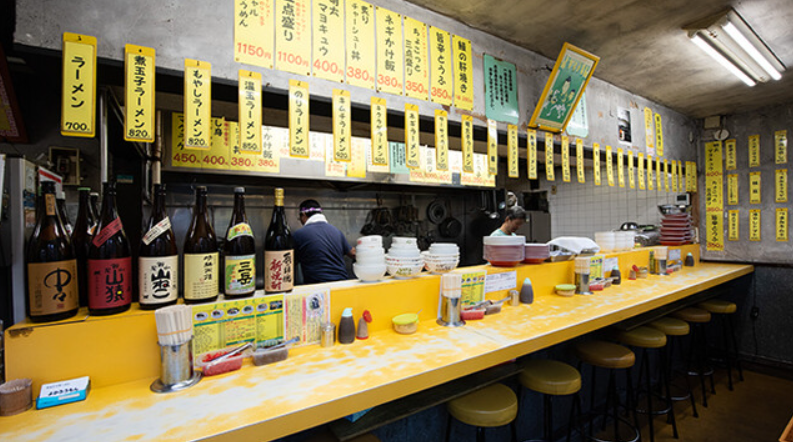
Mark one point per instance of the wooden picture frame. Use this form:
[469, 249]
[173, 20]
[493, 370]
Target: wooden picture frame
[12, 127]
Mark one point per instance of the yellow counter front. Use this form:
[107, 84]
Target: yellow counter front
[317, 385]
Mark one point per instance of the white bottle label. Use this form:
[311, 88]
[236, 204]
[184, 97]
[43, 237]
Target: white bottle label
[158, 279]
[158, 229]
[201, 275]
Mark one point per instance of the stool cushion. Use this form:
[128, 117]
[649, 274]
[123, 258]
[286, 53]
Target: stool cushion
[492, 406]
[671, 326]
[605, 354]
[643, 337]
[718, 306]
[550, 377]
[692, 314]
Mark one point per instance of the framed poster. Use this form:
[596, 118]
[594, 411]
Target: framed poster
[568, 80]
[12, 128]
[501, 90]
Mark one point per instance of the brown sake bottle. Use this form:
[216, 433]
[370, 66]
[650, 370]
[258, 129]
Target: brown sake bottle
[61, 201]
[51, 264]
[201, 256]
[158, 261]
[109, 261]
[239, 252]
[279, 263]
[81, 240]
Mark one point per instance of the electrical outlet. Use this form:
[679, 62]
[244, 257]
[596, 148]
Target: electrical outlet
[755, 313]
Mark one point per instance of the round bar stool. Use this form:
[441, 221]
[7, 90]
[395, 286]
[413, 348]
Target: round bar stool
[493, 406]
[674, 329]
[647, 338]
[698, 348]
[724, 310]
[602, 354]
[553, 378]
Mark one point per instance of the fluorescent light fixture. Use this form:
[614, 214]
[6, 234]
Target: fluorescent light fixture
[731, 41]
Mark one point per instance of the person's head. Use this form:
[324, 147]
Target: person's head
[309, 208]
[516, 216]
[566, 85]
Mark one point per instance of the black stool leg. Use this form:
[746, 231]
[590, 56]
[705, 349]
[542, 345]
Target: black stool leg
[706, 360]
[592, 402]
[480, 434]
[631, 400]
[609, 389]
[665, 378]
[548, 411]
[735, 348]
[514, 426]
[726, 352]
[573, 418]
[693, 343]
[448, 427]
[648, 385]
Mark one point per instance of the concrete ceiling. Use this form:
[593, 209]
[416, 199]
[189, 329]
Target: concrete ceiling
[641, 45]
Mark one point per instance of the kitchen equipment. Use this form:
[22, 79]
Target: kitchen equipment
[536, 253]
[582, 269]
[672, 209]
[406, 323]
[504, 251]
[573, 244]
[404, 268]
[175, 336]
[450, 227]
[450, 300]
[436, 212]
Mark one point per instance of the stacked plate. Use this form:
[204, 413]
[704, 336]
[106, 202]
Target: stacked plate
[369, 265]
[536, 253]
[676, 229]
[404, 258]
[504, 251]
[441, 257]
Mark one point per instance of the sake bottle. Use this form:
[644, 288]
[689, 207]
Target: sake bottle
[201, 255]
[279, 264]
[239, 252]
[61, 202]
[81, 239]
[109, 261]
[158, 260]
[51, 264]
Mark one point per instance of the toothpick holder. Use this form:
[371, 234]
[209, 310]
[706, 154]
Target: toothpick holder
[176, 368]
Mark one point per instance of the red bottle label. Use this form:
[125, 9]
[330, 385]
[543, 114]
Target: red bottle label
[109, 282]
[107, 232]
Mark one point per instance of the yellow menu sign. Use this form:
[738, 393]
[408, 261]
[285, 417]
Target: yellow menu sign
[463, 73]
[731, 156]
[579, 160]
[413, 159]
[609, 166]
[293, 36]
[389, 51]
[732, 190]
[512, 151]
[631, 175]
[531, 154]
[660, 175]
[754, 225]
[691, 176]
[596, 162]
[649, 131]
[356, 168]
[250, 110]
[754, 151]
[620, 168]
[549, 172]
[680, 175]
[665, 169]
[254, 35]
[360, 43]
[78, 101]
[715, 231]
[659, 136]
[341, 127]
[650, 176]
[565, 159]
[754, 188]
[197, 104]
[217, 156]
[640, 172]
[468, 143]
[780, 146]
[733, 225]
[780, 186]
[441, 91]
[492, 147]
[417, 77]
[781, 224]
[379, 125]
[299, 119]
[673, 165]
[139, 92]
[328, 39]
[441, 140]
[714, 198]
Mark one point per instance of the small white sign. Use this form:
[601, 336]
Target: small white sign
[501, 281]
[674, 255]
[610, 263]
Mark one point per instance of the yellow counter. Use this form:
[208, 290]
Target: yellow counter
[317, 385]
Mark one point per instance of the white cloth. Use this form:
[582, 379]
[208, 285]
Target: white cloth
[574, 244]
[318, 218]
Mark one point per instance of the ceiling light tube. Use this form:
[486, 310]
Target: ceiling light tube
[751, 50]
[699, 41]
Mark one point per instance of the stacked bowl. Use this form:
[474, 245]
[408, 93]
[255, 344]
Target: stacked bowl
[504, 251]
[536, 253]
[607, 241]
[441, 257]
[369, 265]
[404, 258]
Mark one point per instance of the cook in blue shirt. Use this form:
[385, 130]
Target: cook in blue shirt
[320, 247]
[516, 216]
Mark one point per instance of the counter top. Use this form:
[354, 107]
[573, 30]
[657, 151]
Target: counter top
[317, 385]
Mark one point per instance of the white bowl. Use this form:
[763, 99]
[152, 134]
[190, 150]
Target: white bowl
[404, 240]
[431, 255]
[369, 273]
[403, 260]
[444, 247]
[371, 240]
[404, 253]
[404, 271]
[370, 261]
[369, 252]
[369, 247]
[438, 267]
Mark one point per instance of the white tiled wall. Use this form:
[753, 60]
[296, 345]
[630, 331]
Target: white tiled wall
[583, 209]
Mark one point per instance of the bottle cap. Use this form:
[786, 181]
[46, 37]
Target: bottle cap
[347, 313]
[83, 189]
[239, 190]
[201, 188]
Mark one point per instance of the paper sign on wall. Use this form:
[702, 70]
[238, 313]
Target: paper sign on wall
[659, 136]
[640, 170]
[754, 225]
[360, 43]
[631, 175]
[733, 225]
[254, 34]
[78, 101]
[468, 143]
[328, 39]
[356, 168]
[780, 186]
[680, 175]
[497, 282]
[731, 156]
[417, 79]
[565, 159]
[531, 154]
[754, 151]
[780, 147]
[379, 128]
[732, 190]
[342, 135]
[412, 136]
[398, 162]
[139, 89]
[299, 119]
[650, 175]
[609, 166]
[441, 140]
[714, 198]
[620, 168]
[754, 188]
[649, 131]
[781, 224]
[197, 104]
[501, 90]
[665, 171]
[549, 172]
[293, 36]
[512, 151]
[389, 51]
[492, 147]
[579, 160]
[463, 73]
[673, 165]
[250, 112]
[596, 162]
[441, 80]
[660, 177]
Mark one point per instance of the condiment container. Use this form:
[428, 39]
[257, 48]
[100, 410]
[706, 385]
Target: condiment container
[565, 289]
[405, 324]
[328, 334]
[347, 327]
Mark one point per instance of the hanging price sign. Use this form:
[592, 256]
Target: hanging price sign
[139, 91]
[492, 147]
[78, 101]
[342, 138]
[379, 117]
[250, 111]
[549, 172]
[531, 154]
[468, 143]
[197, 104]
[596, 162]
[254, 32]
[512, 151]
[298, 119]
[441, 140]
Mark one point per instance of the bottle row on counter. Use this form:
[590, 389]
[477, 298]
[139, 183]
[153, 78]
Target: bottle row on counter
[92, 264]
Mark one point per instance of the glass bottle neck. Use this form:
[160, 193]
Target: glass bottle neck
[158, 209]
[238, 215]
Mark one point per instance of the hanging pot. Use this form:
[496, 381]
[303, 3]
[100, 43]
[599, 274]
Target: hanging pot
[450, 227]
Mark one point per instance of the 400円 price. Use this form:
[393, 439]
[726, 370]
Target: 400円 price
[328, 66]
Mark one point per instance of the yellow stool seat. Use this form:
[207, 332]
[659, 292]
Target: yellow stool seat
[492, 406]
[671, 326]
[605, 354]
[718, 306]
[643, 337]
[550, 377]
[692, 314]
